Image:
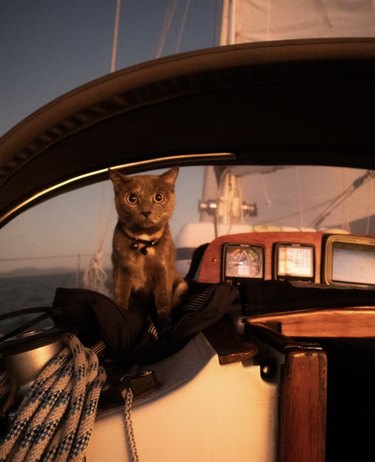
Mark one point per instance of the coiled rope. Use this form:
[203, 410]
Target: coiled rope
[54, 422]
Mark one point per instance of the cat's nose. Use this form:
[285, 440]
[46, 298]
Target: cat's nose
[146, 213]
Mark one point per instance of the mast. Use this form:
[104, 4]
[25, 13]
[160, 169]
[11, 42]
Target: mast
[211, 203]
[228, 23]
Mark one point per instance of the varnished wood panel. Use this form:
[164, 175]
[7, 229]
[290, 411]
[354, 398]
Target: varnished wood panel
[302, 406]
[302, 395]
[211, 264]
[330, 323]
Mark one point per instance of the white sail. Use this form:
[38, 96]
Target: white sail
[264, 20]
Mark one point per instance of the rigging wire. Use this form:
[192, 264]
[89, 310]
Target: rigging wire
[95, 276]
[265, 191]
[186, 9]
[217, 23]
[295, 214]
[166, 26]
[371, 192]
[300, 207]
[345, 224]
[357, 183]
[115, 35]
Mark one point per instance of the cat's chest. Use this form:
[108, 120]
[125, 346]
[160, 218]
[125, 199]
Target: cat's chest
[140, 261]
[142, 257]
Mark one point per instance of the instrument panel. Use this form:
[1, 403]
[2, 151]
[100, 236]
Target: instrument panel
[318, 257]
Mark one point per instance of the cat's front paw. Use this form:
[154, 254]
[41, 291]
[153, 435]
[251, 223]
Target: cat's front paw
[164, 323]
[179, 292]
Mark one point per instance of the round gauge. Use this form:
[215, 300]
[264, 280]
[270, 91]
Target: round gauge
[244, 261]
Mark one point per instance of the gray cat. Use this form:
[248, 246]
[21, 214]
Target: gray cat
[143, 255]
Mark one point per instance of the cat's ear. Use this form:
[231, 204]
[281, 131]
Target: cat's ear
[117, 178]
[170, 176]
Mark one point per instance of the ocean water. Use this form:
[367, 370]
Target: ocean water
[21, 292]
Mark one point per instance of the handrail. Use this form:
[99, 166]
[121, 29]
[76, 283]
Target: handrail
[350, 322]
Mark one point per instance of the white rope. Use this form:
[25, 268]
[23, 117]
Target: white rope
[54, 422]
[129, 425]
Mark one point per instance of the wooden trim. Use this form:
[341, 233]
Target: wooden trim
[344, 322]
[302, 406]
[302, 395]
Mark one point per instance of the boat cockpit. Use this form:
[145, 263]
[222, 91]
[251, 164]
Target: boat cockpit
[270, 357]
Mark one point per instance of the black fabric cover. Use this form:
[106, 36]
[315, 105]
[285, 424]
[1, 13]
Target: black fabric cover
[94, 316]
[204, 305]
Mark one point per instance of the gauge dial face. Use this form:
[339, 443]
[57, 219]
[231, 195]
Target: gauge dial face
[243, 261]
[295, 260]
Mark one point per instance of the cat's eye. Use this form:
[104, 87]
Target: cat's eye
[131, 198]
[158, 197]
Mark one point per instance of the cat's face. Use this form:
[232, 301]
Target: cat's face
[144, 201]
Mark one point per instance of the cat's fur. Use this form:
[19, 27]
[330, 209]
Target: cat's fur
[143, 255]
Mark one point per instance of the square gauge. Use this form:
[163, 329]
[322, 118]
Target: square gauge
[294, 261]
[349, 260]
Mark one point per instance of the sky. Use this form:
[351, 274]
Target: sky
[49, 47]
